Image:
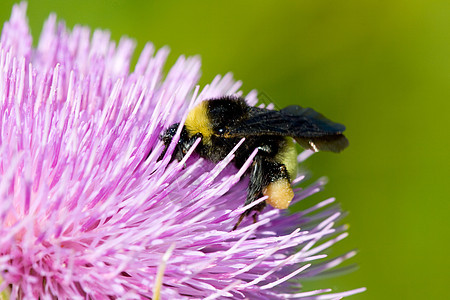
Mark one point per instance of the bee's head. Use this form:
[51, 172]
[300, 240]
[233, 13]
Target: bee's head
[169, 133]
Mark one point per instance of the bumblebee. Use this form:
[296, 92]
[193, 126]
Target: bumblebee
[221, 123]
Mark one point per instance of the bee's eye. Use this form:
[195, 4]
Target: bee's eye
[221, 130]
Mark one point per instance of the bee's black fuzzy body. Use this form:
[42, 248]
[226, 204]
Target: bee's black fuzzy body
[221, 123]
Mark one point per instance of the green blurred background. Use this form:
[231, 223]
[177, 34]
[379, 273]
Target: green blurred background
[380, 67]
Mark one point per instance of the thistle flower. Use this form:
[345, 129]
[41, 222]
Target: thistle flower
[87, 211]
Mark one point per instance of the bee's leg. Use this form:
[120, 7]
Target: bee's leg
[241, 217]
[167, 137]
[267, 178]
[255, 218]
[278, 189]
[258, 180]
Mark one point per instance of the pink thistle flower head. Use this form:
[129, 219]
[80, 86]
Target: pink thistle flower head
[87, 211]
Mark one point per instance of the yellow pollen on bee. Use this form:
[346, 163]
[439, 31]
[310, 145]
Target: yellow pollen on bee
[280, 193]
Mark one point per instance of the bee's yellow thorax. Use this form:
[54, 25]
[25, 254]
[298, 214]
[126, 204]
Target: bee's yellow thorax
[197, 121]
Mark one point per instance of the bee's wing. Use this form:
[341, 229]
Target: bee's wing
[308, 127]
